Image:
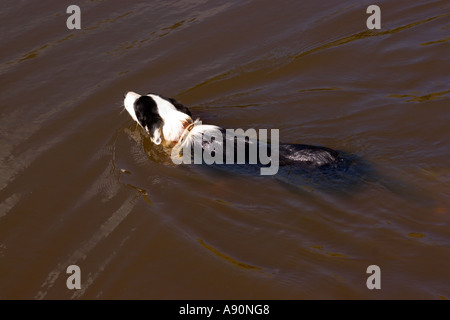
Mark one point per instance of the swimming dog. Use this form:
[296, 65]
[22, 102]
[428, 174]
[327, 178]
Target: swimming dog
[170, 124]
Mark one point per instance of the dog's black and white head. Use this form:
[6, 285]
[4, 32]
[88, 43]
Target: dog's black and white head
[164, 119]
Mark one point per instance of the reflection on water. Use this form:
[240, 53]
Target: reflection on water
[81, 184]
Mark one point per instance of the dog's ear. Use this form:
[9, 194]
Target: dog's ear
[144, 108]
[148, 117]
[142, 117]
[180, 107]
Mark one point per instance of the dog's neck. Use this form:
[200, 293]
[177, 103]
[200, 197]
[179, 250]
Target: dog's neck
[176, 130]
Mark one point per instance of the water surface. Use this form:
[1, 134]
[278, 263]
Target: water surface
[79, 184]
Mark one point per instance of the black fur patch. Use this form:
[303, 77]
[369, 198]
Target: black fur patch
[147, 114]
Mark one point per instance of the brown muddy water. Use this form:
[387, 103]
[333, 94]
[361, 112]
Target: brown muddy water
[79, 185]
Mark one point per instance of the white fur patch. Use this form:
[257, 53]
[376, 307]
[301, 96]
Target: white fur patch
[174, 120]
[128, 102]
[195, 136]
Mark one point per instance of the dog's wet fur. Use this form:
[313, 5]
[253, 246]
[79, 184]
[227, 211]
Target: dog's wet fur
[166, 121]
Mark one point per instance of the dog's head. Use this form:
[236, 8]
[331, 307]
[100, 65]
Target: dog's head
[163, 118]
